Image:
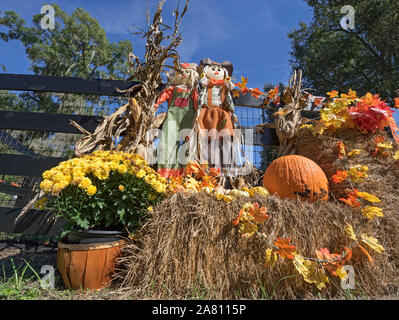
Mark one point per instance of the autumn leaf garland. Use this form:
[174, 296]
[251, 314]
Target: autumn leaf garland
[313, 270]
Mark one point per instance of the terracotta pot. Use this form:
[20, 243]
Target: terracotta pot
[88, 266]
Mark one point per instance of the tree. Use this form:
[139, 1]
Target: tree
[77, 47]
[364, 59]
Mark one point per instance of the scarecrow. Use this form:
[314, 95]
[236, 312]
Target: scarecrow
[182, 97]
[216, 118]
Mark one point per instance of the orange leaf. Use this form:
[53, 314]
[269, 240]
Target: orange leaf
[259, 214]
[366, 253]
[236, 221]
[285, 250]
[244, 90]
[318, 101]
[255, 92]
[340, 176]
[334, 260]
[333, 94]
[352, 201]
[236, 93]
[341, 149]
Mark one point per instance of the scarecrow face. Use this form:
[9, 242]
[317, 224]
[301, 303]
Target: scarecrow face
[214, 72]
[183, 78]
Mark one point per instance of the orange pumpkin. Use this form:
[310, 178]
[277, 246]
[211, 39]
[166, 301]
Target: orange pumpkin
[293, 176]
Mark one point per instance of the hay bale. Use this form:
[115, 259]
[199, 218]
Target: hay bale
[323, 150]
[189, 247]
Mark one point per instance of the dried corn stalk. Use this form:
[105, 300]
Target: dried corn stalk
[129, 124]
[288, 119]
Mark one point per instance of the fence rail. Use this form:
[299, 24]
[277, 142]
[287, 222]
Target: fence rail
[30, 164]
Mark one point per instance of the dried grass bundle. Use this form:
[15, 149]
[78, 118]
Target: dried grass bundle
[323, 150]
[189, 245]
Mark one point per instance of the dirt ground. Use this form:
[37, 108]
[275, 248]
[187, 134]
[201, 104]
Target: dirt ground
[21, 252]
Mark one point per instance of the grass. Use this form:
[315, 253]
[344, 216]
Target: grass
[24, 283]
[22, 287]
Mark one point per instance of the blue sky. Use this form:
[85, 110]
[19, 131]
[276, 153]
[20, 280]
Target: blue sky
[251, 34]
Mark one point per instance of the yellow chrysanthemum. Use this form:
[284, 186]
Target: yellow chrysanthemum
[91, 190]
[122, 169]
[121, 187]
[58, 187]
[101, 174]
[46, 185]
[84, 183]
[141, 173]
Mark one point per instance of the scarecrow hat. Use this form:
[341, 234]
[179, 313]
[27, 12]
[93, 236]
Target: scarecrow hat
[207, 62]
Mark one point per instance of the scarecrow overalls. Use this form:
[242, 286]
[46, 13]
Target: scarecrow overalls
[182, 105]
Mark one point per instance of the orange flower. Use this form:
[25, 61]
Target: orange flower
[396, 102]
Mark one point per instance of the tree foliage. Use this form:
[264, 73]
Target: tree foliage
[76, 47]
[364, 59]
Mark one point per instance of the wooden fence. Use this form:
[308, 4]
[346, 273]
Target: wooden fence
[28, 163]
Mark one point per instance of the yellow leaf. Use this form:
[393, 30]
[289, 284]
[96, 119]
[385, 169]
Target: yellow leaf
[367, 196]
[271, 258]
[308, 269]
[227, 198]
[309, 126]
[387, 145]
[259, 190]
[349, 231]
[341, 272]
[247, 229]
[355, 152]
[319, 278]
[372, 212]
[300, 266]
[372, 243]
[396, 155]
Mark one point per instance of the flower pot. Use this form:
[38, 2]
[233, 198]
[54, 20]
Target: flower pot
[88, 266]
[77, 236]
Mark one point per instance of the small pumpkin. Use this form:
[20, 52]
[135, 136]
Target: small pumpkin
[292, 176]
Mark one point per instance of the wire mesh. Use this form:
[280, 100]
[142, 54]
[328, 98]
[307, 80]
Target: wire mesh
[16, 191]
